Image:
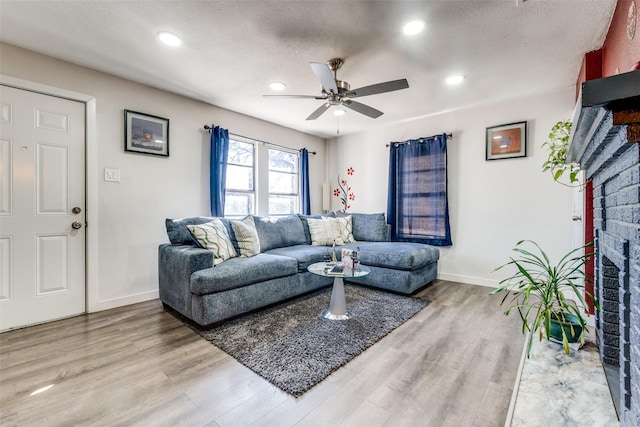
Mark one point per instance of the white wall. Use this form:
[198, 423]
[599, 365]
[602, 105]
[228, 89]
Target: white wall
[130, 214]
[492, 204]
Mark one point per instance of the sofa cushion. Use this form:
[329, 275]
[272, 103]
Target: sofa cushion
[304, 254]
[325, 231]
[214, 237]
[238, 272]
[178, 232]
[369, 227]
[279, 232]
[305, 224]
[246, 236]
[396, 255]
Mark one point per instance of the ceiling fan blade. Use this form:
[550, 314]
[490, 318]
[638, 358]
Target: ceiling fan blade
[324, 107]
[389, 86]
[363, 109]
[294, 96]
[324, 74]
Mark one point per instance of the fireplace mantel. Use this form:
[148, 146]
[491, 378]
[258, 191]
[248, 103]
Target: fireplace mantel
[605, 141]
[619, 95]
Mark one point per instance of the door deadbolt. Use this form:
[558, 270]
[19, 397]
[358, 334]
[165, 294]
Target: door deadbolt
[76, 210]
[76, 225]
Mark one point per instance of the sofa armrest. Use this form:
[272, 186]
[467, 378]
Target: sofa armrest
[176, 264]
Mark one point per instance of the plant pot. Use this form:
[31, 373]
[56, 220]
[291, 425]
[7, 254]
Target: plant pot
[555, 329]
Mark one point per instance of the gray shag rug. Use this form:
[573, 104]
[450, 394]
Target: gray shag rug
[292, 346]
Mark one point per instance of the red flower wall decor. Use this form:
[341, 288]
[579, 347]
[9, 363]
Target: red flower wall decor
[343, 192]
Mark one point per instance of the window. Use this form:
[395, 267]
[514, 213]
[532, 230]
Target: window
[260, 180]
[418, 207]
[240, 196]
[284, 194]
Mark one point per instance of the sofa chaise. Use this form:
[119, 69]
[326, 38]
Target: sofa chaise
[262, 261]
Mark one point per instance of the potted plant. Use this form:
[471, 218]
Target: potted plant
[557, 145]
[542, 292]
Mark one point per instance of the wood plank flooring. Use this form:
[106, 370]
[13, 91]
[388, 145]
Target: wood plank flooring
[453, 364]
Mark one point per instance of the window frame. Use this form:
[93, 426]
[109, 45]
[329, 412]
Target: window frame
[253, 167]
[296, 175]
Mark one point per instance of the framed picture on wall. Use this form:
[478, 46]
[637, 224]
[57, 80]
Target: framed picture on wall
[506, 141]
[147, 134]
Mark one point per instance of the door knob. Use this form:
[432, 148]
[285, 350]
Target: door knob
[76, 210]
[76, 225]
[576, 218]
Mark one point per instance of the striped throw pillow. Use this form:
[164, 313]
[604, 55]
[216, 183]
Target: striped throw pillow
[346, 228]
[246, 236]
[213, 236]
[324, 231]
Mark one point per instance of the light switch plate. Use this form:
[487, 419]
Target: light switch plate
[111, 175]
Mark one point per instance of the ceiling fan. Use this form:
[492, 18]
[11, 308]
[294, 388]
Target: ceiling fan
[337, 92]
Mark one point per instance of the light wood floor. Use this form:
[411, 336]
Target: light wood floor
[453, 364]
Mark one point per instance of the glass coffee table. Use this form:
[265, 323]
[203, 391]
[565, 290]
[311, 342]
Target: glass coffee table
[338, 307]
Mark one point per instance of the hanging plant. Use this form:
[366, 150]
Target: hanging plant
[558, 145]
[343, 192]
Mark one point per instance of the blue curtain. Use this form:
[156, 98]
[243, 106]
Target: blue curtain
[218, 169]
[417, 204]
[305, 199]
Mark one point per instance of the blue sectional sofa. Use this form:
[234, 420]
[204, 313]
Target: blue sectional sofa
[199, 286]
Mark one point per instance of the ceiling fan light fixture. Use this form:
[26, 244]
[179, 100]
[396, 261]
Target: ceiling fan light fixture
[277, 86]
[169, 39]
[339, 112]
[413, 27]
[454, 80]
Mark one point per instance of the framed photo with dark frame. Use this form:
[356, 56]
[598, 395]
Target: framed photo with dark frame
[506, 141]
[147, 134]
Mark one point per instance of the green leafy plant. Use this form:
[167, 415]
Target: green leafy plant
[557, 145]
[540, 291]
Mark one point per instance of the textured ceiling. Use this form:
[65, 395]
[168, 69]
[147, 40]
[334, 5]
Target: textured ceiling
[232, 50]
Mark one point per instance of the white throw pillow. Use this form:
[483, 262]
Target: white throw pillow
[213, 236]
[346, 228]
[324, 231]
[246, 236]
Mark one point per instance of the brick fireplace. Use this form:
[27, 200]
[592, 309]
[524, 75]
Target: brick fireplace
[605, 141]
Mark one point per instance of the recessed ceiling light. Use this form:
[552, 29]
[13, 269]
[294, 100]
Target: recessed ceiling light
[413, 27]
[169, 38]
[339, 112]
[454, 80]
[277, 86]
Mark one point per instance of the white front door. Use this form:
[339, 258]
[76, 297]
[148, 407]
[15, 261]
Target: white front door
[42, 208]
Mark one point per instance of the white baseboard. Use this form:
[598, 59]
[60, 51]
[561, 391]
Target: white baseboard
[122, 301]
[469, 279]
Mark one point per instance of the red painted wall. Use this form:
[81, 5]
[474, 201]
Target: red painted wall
[591, 68]
[618, 55]
[619, 52]
[589, 237]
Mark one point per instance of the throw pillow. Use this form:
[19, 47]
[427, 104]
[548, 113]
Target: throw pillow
[279, 232]
[324, 231]
[246, 236]
[213, 236]
[178, 232]
[370, 227]
[346, 229]
[305, 224]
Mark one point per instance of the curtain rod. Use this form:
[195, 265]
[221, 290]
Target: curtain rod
[449, 135]
[208, 128]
